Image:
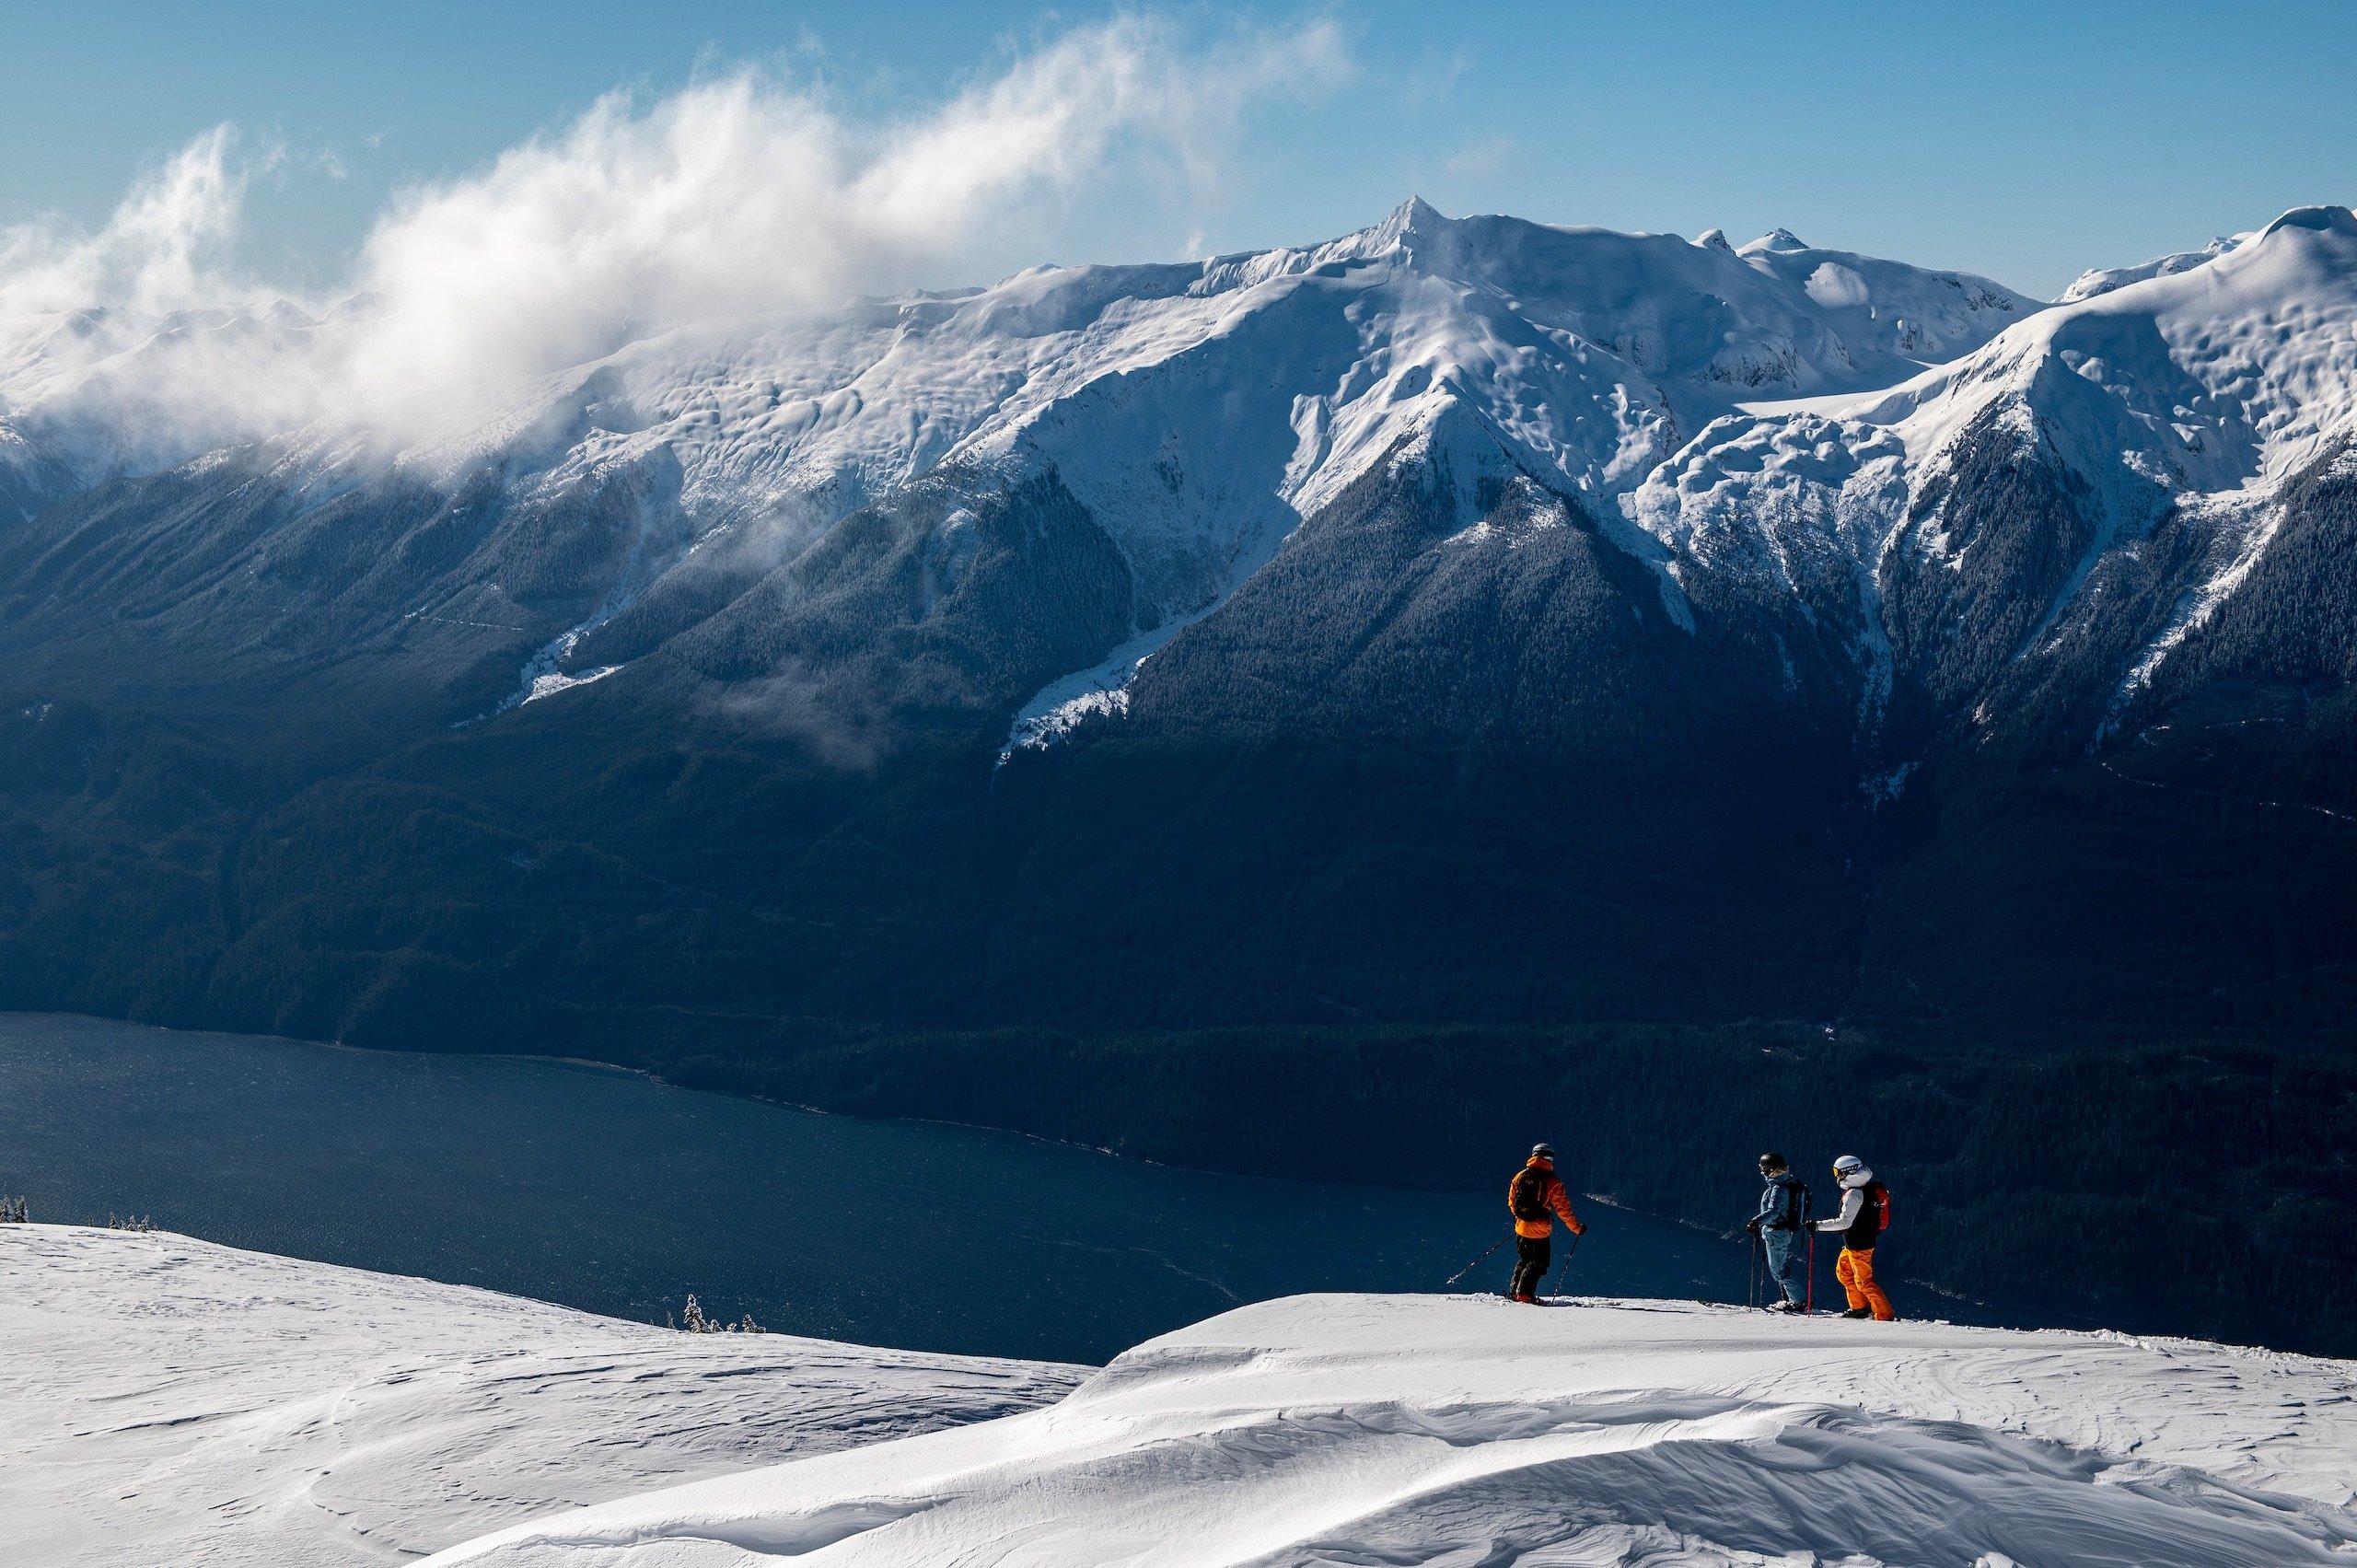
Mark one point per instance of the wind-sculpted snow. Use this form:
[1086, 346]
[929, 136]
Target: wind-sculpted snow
[170, 1403]
[1461, 1430]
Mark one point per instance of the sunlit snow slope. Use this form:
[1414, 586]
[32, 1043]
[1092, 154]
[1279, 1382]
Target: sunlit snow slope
[1456, 1430]
[169, 1403]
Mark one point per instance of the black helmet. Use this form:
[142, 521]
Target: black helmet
[1772, 1161]
[1542, 1151]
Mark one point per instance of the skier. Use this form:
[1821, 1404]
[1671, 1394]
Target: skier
[1535, 1196]
[1783, 1207]
[1865, 1211]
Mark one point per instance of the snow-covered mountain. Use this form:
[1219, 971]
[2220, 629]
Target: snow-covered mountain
[168, 1401]
[1197, 411]
[1774, 409]
[2103, 280]
[1463, 618]
[1458, 1430]
[2170, 406]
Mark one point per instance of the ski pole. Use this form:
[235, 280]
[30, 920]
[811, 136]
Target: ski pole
[1564, 1267]
[1483, 1259]
[1808, 1296]
[1752, 1299]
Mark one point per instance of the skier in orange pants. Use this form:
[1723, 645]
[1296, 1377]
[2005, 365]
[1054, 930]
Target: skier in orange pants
[1866, 1212]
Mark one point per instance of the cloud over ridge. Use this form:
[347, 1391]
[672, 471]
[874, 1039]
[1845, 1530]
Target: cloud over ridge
[747, 191]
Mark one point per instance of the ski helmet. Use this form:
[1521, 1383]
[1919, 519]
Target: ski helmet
[1772, 1161]
[1542, 1151]
[1849, 1164]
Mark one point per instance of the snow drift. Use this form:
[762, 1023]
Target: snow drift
[173, 1403]
[1458, 1430]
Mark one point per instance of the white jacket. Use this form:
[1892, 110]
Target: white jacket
[1853, 1201]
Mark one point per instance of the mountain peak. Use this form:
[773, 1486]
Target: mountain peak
[1778, 239]
[1411, 220]
[1416, 211]
[1714, 240]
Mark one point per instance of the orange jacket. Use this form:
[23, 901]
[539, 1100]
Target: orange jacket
[1554, 1195]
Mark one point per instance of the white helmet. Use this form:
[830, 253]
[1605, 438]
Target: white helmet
[1849, 1164]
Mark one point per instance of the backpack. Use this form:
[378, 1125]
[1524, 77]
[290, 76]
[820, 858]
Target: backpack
[1878, 1201]
[1528, 1198]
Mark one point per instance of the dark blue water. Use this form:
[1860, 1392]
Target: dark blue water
[605, 1190]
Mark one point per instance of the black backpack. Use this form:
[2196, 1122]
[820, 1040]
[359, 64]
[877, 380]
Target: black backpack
[1527, 1197]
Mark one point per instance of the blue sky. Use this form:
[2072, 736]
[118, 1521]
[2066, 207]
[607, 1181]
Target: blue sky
[2025, 142]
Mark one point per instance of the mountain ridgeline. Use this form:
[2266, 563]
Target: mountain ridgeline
[1464, 626]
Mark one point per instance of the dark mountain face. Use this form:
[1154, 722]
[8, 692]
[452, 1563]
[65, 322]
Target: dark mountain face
[1426, 764]
[2173, 854]
[1460, 751]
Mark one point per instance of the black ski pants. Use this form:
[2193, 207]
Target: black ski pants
[1531, 1255]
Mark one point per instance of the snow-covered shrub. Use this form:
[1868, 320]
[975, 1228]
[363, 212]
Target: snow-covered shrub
[692, 1320]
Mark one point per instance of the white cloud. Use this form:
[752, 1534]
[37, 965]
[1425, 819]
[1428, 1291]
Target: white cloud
[162, 249]
[748, 191]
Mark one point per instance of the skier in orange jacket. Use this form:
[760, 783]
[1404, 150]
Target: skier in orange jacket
[1536, 1197]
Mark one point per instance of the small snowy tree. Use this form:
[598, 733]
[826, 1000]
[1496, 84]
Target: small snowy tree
[692, 1320]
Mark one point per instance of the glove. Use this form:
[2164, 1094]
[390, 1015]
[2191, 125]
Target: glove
[1578, 1229]
[1752, 1226]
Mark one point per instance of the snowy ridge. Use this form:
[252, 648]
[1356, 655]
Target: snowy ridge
[1772, 411]
[2199, 386]
[2228, 374]
[1199, 410]
[2103, 280]
[167, 1401]
[1461, 1430]
[2217, 377]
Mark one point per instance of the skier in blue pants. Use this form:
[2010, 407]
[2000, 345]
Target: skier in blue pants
[1783, 1208]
